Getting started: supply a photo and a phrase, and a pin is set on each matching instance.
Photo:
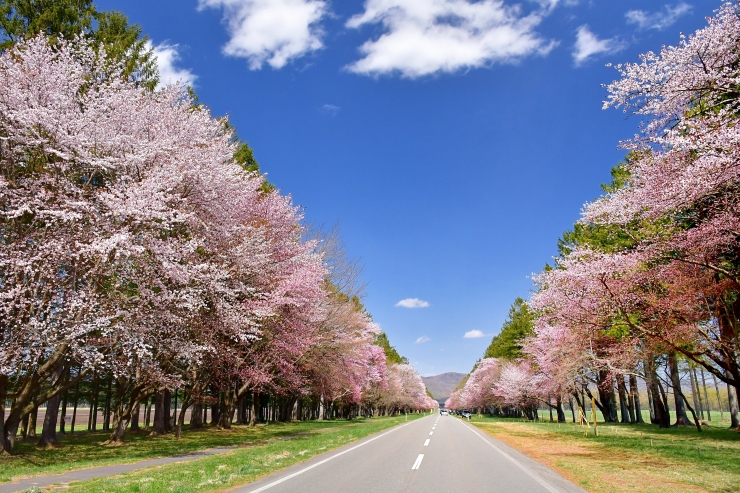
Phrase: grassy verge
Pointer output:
(84, 450)
(628, 458)
(241, 466)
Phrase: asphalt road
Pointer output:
(435, 453)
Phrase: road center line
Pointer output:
(516, 462)
(417, 463)
(426, 442)
(431, 433)
(275, 483)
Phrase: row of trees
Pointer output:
(650, 276)
(143, 254)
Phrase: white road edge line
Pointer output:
(291, 476)
(417, 463)
(426, 442)
(516, 462)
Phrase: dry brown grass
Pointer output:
(621, 460)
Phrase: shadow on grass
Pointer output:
(83, 450)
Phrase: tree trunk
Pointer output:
(255, 406)
(11, 430)
(33, 422)
(94, 398)
(561, 413)
(125, 408)
(637, 407)
(241, 410)
(732, 402)
(181, 417)
(28, 396)
(695, 393)
(49, 430)
(24, 426)
(215, 412)
(226, 409)
(682, 418)
(660, 410)
(3, 397)
(623, 407)
(119, 429)
(174, 413)
(135, 417)
(74, 410)
(107, 406)
(653, 418)
(699, 397)
(706, 397)
(63, 419)
(148, 411)
(719, 399)
(607, 397)
(167, 410)
(572, 410)
(693, 414)
(159, 414)
(196, 416)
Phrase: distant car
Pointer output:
(444, 413)
(466, 414)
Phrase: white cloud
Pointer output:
(474, 334)
(413, 303)
(588, 45)
(331, 109)
(167, 55)
(271, 31)
(660, 19)
(422, 340)
(424, 37)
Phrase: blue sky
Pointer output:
(452, 140)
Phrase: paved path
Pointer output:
(436, 453)
(97, 472)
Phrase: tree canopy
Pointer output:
(517, 327)
(124, 43)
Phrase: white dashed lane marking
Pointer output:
(417, 463)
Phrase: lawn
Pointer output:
(243, 465)
(628, 458)
(83, 450)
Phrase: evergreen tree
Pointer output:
(65, 19)
(517, 327)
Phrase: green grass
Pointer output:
(626, 457)
(717, 420)
(83, 450)
(243, 465)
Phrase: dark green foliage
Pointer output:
(124, 42)
(517, 327)
(391, 355)
(602, 238)
(244, 157)
(66, 19)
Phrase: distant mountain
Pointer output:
(441, 386)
